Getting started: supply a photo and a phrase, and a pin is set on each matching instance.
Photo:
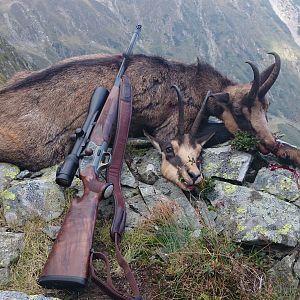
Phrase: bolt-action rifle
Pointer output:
(70, 261)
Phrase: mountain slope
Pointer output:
(289, 13)
(10, 61)
(224, 33)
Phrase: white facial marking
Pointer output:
(188, 154)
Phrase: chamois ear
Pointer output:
(222, 98)
(152, 140)
(205, 138)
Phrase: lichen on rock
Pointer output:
(8, 172)
(29, 199)
(223, 162)
(255, 217)
(280, 183)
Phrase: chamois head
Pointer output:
(180, 155)
(245, 105)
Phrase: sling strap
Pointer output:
(113, 176)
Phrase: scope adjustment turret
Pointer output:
(78, 133)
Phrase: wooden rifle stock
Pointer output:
(67, 266)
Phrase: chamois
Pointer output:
(40, 110)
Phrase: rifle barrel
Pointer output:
(128, 52)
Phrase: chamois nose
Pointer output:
(194, 176)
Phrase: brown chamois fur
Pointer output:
(39, 111)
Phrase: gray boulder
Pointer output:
(146, 167)
(24, 174)
(280, 183)
(297, 268)
(11, 245)
(51, 231)
(223, 162)
(282, 272)
(12, 295)
(37, 198)
(136, 211)
(255, 217)
(127, 179)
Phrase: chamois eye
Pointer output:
(169, 150)
(199, 161)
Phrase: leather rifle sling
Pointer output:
(113, 176)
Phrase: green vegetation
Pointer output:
(206, 186)
(26, 270)
(244, 141)
(170, 262)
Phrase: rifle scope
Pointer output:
(66, 172)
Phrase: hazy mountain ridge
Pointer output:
(223, 33)
(289, 13)
(10, 61)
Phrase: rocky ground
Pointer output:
(247, 201)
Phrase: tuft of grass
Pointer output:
(163, 232)
(244, 141)
(216, 267)
(209, 267)
(25, 272)
(206, 186)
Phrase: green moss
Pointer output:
(209, 166)
(11, 172)
(244, 141)
(7, 195)
(226, 176)
(240, 227)
(286, 183)
(49, 174)
(285, 229)
(230, 188)
(260, 229)
(241, 210)
(249, 236)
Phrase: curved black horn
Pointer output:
(255, 83)
(272, 78)
(199, 116)
(180, 110)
